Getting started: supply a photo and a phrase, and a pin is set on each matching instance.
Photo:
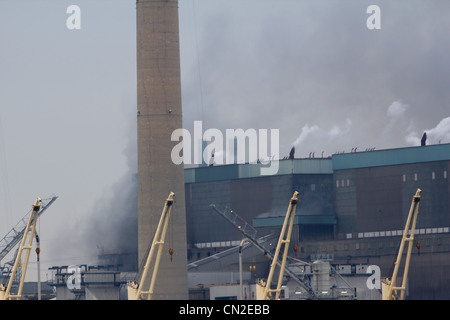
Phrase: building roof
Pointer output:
(375, 158)
(241, 171)
(389, 157)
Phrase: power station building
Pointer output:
(353, 208)
(351, 214)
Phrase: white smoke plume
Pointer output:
(306, 132)
(396, 110)
(397, 129)
(439, 134)
(397, 124)
(317, 136)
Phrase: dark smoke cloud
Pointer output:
(110, 227)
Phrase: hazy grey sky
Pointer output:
(311, 69)
(68, 112)
(315, 71)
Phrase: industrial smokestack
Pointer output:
(423, 142)
(292, 153)
(159, 114)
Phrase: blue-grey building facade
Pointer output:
(352, 209)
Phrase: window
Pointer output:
(445, 174)
(404, 178)
(416, 177)
(433, 175)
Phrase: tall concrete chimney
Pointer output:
(159, 114)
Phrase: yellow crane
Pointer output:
(25, 244)
(135, 288)
(285, 238)
(390, 291)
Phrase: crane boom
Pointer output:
(16, 233)
(25, 244)
(285, 238)
(135, 288)
(389, 288)
(250, 234)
